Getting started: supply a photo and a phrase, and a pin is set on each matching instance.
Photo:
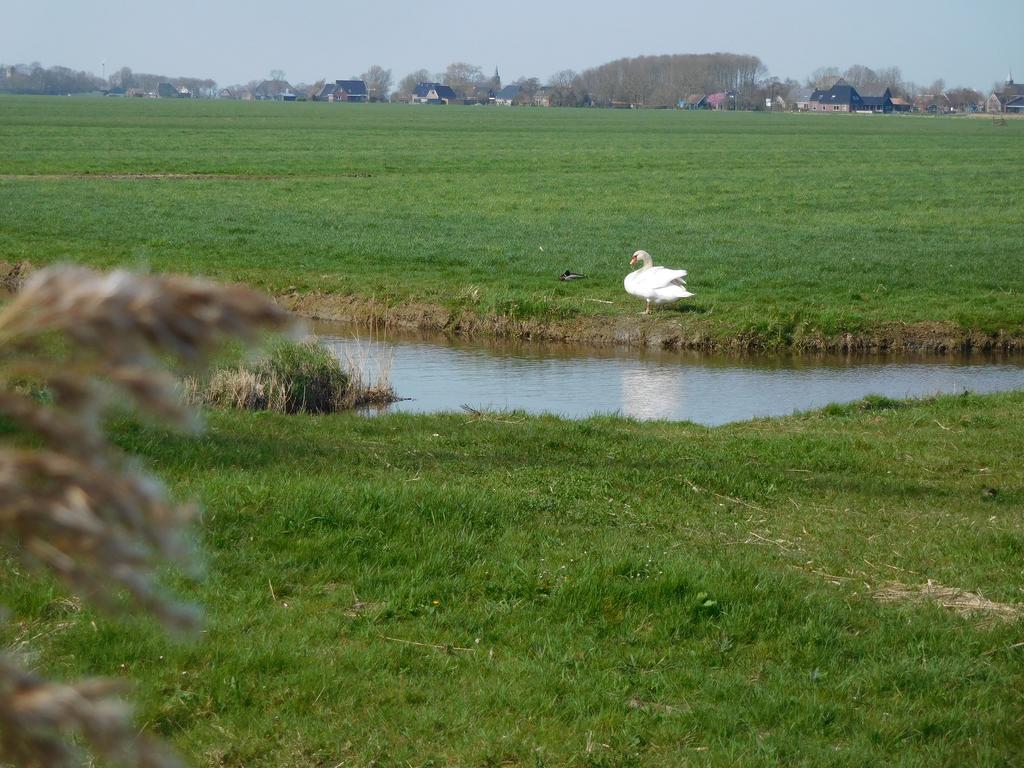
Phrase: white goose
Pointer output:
(655, 284)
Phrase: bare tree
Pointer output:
(463, 77)
(528, 87)
(663, 80)
(277, 74)
(378, 82)
(123, 77)
(566, 90)
(408, 83)
(964, 99)
(823, 78)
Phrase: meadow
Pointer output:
(791, 225)
(842, 587)
(503, 590)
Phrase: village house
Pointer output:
(802, 99)
(694, 101)
(273, 90)
(1010, 99)
(843, 97)
(507, 95)
(482, 94)
(343, 90)
(434, 93)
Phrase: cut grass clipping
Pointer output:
(293, 377)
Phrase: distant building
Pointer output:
(167, 91)
(485, 94)
(695, 101)
(344, 90)
(273, 90)
(434, 93)
(801, 98)
(843, 97)
(507, 95)
(881, 103)
(1007, 100)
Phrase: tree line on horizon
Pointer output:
(641, 81)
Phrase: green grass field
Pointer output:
(789, 224)
(503, 590)
(441, 590)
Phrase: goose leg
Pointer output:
(648, 310)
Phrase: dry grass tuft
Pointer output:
(969, 605)
(13, 275)
(72, 343)
(300, 377)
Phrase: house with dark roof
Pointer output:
(841, 97)
(273, 90)
(1007, 100)
(507, 95)
(484, 94)
(343, 90)
(167, 91)
(882, 103)
(695, 101)
(434, 93)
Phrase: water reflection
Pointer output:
(441, 374)
(653, 392)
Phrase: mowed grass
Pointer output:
(788, 224)
(456, 590)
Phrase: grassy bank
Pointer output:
(503, 590)
(793, 227)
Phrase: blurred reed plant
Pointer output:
(74, 343)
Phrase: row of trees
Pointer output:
(61, 81)
(663, 80)
(125, 78)
(52, 81)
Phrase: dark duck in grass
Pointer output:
(570, 275)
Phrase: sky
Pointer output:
(965, 42)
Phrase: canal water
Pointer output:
(444, 374)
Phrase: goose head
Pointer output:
(643, 256)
